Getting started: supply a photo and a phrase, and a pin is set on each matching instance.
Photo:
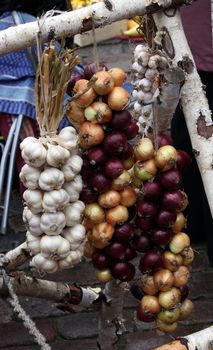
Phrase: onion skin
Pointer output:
(141, 243)
(165, 219)
(166, 157)
(128, 196)
(103, 231)
(104, 83)
(186, 309)
(145, 224)
(117, 215)
(124, 271)
(171, 180)
(120, 120)
(164, 280)
(145, 170)
(148, 284)
(109, 199)
(144, 150)
(113, 168)
(184, 161)
(128, 163)
(118, 99)
(91, 68)
(114, 143)
(123, 180)
(94, 213)
(172, 261)
(144, 316)
(169, 316)
(164, 140)
(180, 223)
(137, 290)
(165, 327)
(75, 114)
(88, 250)
(90, 135)
(161, 237)
(100, 182)
(118, 75)
(150, 262)
(131, 131)
(170, 298)
(103, 276)
(152, 191)
(96, 155)
(175, 200)
(75, 76)
(88, 195)
(179, 242)
(88, 97)
(115, 250)
(181, 276)
(150, 304)
(146, 209)
(98, 112)
(123, 233)
(100, 261)
(187, 255)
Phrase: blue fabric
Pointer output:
(17, 76)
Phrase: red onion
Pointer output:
(132, 212)
(86, 170)
(100, 182)
(171, 179)
(88, 195)
(122, 270)
(130, 253)
(175, 200)
(91, 68)
(124, 233)
(184, 290)
(151, 262)
(120, 120)
(96, 155)
(141, 243)
(115, 250)
(114, 143)
(152, 190)
(131, 130)
(147, 209)
(144, 316)
(100, 261)
(137, 290)
(145, 224)
(161, 237)
(183, 161)
(113, 168)
(164, 140)
(127, 152)
(165, 218)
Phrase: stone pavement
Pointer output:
(65, 331)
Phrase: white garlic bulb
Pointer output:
(55, 200)
(26, 141)
(34, 153)
(72, 214)
(73, 258)
(75, 234)
(53, 223)
(77, 183)
(32, 222)
(33, 199)
(72, 167)
(30, 176)
(79, 205)
(33, 243)
(51, 179)
(55, 247)
(44, 265)
(57, 155)
(68, 138)
(69, 188)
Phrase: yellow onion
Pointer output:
(187, 255)
(181, 276)
(109, 199)
(103, 231)
(104, 83)
(88, 97)
(187, 307)
(148, 284)
(166, 327)
(88, 250)
(128, 196)
(98, 112)
(103, 276)
(163, 280)
(90, 135)
(171, 261)
(150, 304)
(128, 163)
(169, 316)
(121, 181)
(117, 215)
(75, 114)
(180, 223)
(166, 157)
(118, 75)
(170, 299)
(145, 170)
(94, 213)
(144, 150)
(179, 242)
(118, 98)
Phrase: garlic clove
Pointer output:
(55, 247)
(34, 153)
(53, 223)
(33, 243)
(75, 234)
(30, 176)
(72, 167)
(68, 138)
(73, 258)
(51, 179)
(44, 265)
(32, 222)
(73, 194)
(73, 215)
(57, 155)
(33, 199)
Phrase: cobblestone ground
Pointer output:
(65, 331)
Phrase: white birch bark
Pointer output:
(74, 22)
(193, 100)
(201, 340)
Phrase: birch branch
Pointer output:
(201, 340)
(17, 257)
(193, 99)
(78, 21)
